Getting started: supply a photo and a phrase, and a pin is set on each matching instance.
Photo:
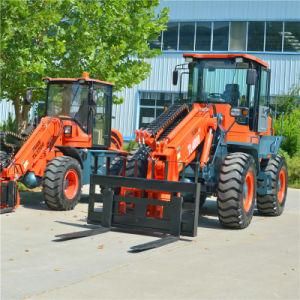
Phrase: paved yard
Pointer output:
(260, 262)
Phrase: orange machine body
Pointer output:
(178, 149)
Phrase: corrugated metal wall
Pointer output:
(232, 10)
(6, 108)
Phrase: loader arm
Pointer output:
(32, 156)
(35, 149)
(178, 145)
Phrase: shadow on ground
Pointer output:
(208, 216)
(35, 200)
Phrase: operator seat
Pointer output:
(231, 94)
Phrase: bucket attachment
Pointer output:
(179, 217)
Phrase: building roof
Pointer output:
(226, 55)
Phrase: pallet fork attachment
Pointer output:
(179, 217)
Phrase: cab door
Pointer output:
(102, 115)
(264, 97)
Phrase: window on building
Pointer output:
(257, 36)
(292, 36)
(156, 43)
(220, 36)
(147, 115)
(203, 36)
(274, 36)
(237, 41)
(170, 38)
(186, 36)
(256, 32)
(153, 104)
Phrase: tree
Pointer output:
(289, 126)
(285, 104)
(287, 120)
(62, 38)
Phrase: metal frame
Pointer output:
(179, 218)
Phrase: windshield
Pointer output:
(219, 81)
(71, 99)
(66, 99)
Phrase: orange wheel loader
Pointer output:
(58, 152)
(219, 142)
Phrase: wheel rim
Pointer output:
(248, 191)
(281, 186)
(71, 183)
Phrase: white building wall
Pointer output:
(6, 108)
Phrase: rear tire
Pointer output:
(117, 166)
(273, 204)
(62, 183)
(236, 190)
(137, 163)
(4, 160)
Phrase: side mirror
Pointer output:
(175, 77)
(251, 76)
(28, 97)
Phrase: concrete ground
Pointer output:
(260, 262)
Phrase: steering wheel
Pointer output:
(216, 96)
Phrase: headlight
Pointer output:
(68, 130)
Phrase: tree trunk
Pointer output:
(21, 113)
(17, 113)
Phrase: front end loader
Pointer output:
(58, 152)
(220, 142)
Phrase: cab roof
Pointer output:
(227, 56)
(85, 76)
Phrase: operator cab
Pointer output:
(84, 100)
(240, 80)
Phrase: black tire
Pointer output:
(191, 198)
(54, 183)
(137, 163)
(273, 204)
(237, 177)
(116, 165)
(4, 160)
